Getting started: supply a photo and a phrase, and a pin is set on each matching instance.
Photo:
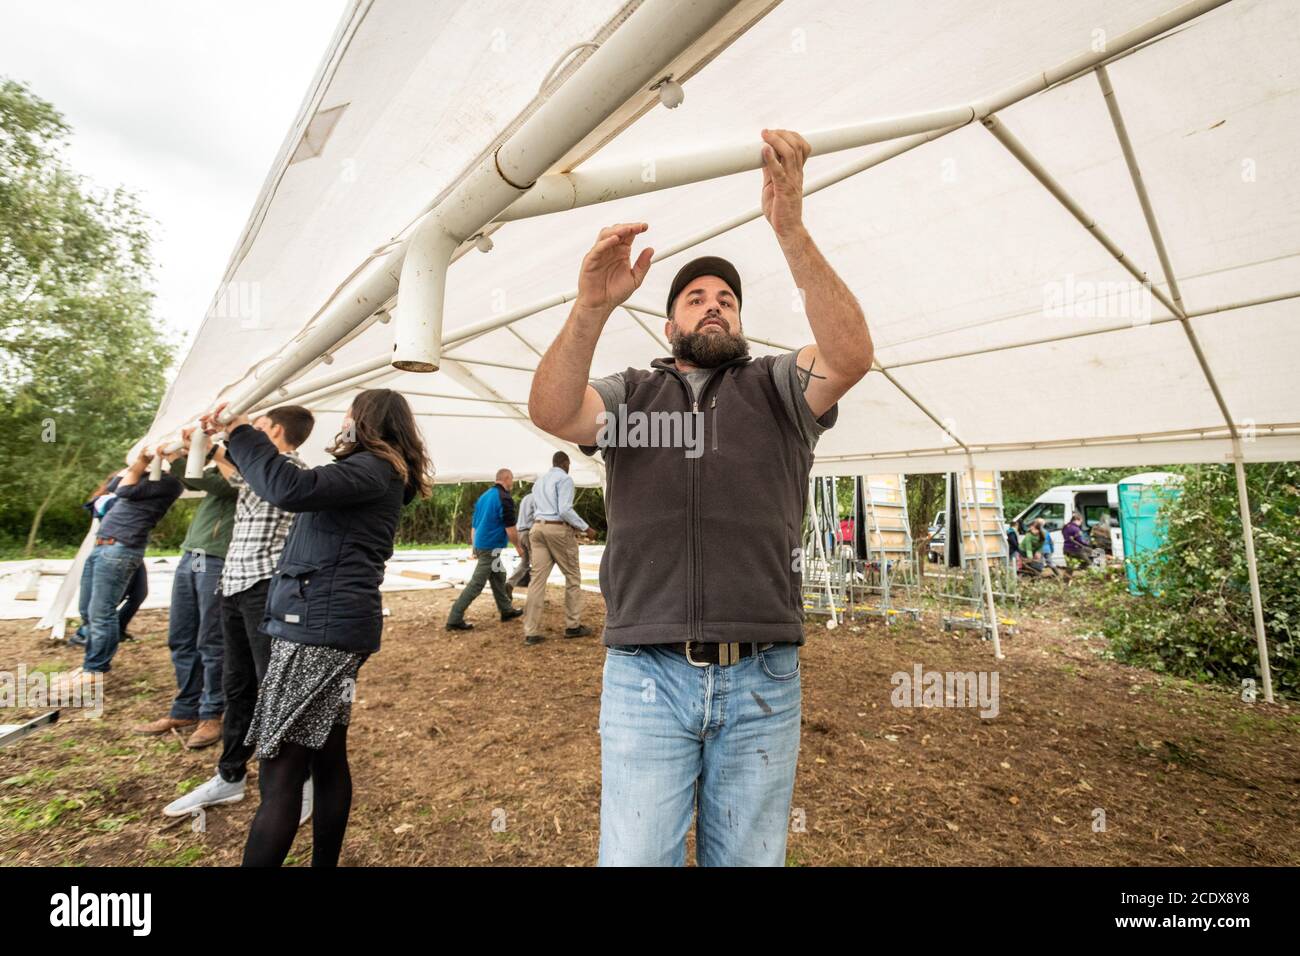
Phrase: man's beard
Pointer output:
(707, 349)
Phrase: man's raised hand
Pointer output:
(608, 275)
(784, 153)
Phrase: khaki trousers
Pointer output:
(552, 544)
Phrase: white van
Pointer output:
(1055, 505)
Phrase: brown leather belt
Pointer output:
(99, 540)
(548, 521)
(724, 655)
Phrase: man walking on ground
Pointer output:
(524, 523)
(256, 543)
(194, 617)
(494, 526)
(554, 541)
(710, 621)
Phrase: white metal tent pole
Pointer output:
(1248, 535)
(1243, 499)
(584, 187)
(1070, 336)
(625, 66)
(467, 379)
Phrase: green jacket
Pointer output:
(1031, 544)
(215, 520)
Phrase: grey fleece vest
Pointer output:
(706, 548)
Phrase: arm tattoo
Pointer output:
(806, 375)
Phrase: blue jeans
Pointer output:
(136, 592)
(195, 638)
(104, 579)
(676, 738)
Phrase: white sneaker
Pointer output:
(306, 802)
(210, 794)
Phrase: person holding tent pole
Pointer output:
(323, 610)
(194, 616)
(98, 505)
(118, 553)
(701, 696)
(256, 543)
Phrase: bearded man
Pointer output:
(701, 573)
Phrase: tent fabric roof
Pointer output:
(989, 304)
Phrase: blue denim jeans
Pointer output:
(676, 739)
(104, 579)
(195, 638)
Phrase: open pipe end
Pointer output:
(411, 365)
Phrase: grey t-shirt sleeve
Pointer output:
(612, 390)
(785, 375)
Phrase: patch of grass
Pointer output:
(187, 857)
(19, 814)
(186, 785)
(113, 824)
(31, 776)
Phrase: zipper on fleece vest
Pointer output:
(694, 544)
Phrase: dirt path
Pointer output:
(452, 733)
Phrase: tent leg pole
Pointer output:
(984, 564)
(1248, 535)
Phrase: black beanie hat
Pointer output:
(704, 266)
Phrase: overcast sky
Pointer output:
(183, 103)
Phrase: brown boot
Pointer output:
(163, 725)
(207, 734)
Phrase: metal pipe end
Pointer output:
(412, 365)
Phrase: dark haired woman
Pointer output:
(323, 612)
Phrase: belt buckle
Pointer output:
(692, 660)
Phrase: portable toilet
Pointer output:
(1141, 499)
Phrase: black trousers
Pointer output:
(248, 649)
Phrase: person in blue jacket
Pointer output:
(323, 610)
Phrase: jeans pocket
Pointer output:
(626, 650)
(780, 662)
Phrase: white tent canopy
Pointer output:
(958, 254)
(999, 258)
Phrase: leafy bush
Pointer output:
(1198, 621)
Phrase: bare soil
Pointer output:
(469, 748)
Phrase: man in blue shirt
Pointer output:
(553, 541)
(494, 526)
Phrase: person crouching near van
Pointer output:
(323, 611)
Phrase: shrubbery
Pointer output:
(1198, 621)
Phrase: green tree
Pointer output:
(82, 361)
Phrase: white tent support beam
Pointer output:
(1162, 253)
(624, 67)
(1058, 192)
(648, 331)
(1256, 604)
(1210, 433)
(1069, 336)
(559, 192)
(462, 376)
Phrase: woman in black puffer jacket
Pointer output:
(323, 611)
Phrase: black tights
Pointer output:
(280, 781)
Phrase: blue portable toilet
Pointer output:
(1141, 500)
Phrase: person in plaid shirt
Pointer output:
(255, 545)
